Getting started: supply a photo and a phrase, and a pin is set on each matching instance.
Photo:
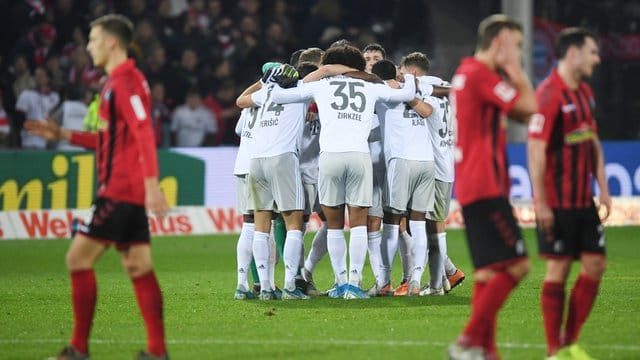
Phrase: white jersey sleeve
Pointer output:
(247, 121)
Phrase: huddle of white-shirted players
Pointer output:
(336, 140)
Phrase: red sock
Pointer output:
(485, 309)
(582, 298)
(149, 299)
(83, 301)
(552, 302)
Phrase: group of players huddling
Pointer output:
(345, 127)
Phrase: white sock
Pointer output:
(337, 247)
(405, 245)
(357, 254)
(419, 248)
(261, 256)
(273, 258)
(388, 249)
(291, 251)
(244, 252)
(436, 263)
(375, 256)
(318, 248)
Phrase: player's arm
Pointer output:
(441, 91)
(536, 156)
(601, 179)
(138, 121)
(326, 71)
(244, 100)
(300, 93)
(526, 104)
(422, 108)
(406, 93)
(51, 131)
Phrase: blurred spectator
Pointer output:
(199, 15)
(144, 41)
(160, 115)
(156, 68)
(37, 44)
(193, 124)
(135, 10)
(55, 71)
(5, 128)
(275, 45)
(71, 112)
(183, 77)
(67, 18)
(22, 78)
(35, 104)
(223, 105)
(82, 72)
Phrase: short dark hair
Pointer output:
(340, 42)
(491, 26)
(344, 55)
(117, 25)
(375, 47)
(305, 68)
(569, 37)
(385, 69)
(418, 60)
(295, 57)
(313, 55)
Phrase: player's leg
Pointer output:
(244, 248)
(405, 247)
(500, 259)
(419, 251)
(374, 237)
(80, 258)
(591, 240)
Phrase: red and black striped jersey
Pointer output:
(568, 127)
(124, 143)
(480, 100)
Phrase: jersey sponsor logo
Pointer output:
(568, 108)
(579, 135)
(504, 91)
(138, 108)
(536, 123)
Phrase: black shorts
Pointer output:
(118, 222)
(493, 234)
(575, 231)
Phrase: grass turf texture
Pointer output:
(198, 277)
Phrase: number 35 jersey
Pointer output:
(345, 107)
(441, 133)
(277, 128)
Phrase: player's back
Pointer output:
(244, 129)
(278, 128)
(404, 132)
(441, 132)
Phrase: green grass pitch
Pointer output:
(198, 277)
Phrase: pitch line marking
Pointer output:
(284, 342)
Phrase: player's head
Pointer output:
(372, 54)
(295, 57)
(492, 27)
(385, 69)
(577, 48)
(313, 55)
(109, 33)
(340, 42)
(344, 55)
(305, 68)
(415, 63)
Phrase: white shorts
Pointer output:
(242, 195)
(409, 182)
(275, 183)
(442, 201)
(345, 178)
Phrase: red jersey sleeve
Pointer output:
(134, 107)
(549, 102)
(496, 91)
(85, 139)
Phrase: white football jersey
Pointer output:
(345, 106)
(244, 129)
(278, 129)
(441, 133)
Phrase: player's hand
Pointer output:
(154, 200)
(604, 201)
(269, 75)
(287, 76)
(544, 217)
(48, 130)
